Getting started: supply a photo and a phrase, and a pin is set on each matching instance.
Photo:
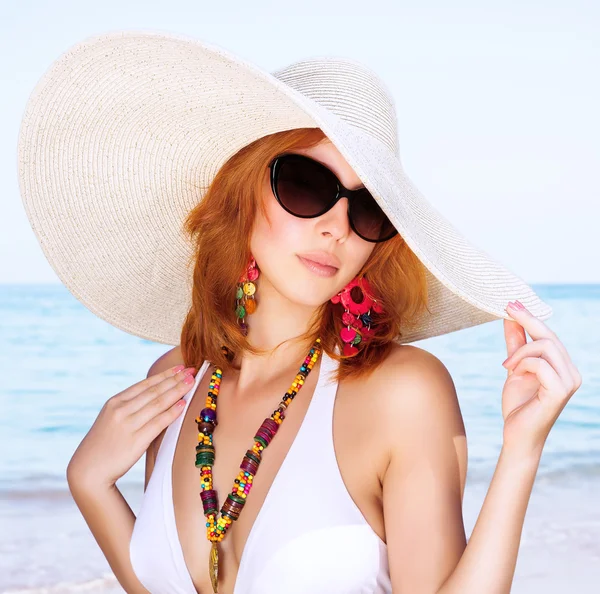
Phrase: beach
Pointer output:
(46, 546)
(75, 361)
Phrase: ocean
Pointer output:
(59, 363)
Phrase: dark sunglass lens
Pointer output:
(305, 187)
(370, 221)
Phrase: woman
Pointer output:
(304, 295)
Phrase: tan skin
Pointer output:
(362, 464)
(411, 397)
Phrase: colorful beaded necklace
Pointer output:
(216, 529)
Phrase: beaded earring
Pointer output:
(357, 315)
(245, 301)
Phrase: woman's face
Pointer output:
(278, 247)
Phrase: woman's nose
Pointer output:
(335, 221)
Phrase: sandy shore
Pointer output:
(46, 546)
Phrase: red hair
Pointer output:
(227, 210)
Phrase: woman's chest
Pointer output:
(341, 453)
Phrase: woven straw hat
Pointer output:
(124, 127)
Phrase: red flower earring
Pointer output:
(357, 315)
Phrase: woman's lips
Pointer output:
(318, 269)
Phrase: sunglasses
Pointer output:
(307, 189)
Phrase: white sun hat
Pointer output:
(124, 127)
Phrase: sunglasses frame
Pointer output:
(342, 192)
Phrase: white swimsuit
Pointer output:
(322, 543)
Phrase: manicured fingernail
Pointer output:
(177, 368)
(188, 379)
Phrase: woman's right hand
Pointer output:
(127, 425)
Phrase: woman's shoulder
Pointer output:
(411, 375)
(414, 394)
(169, 359)
(406, 362)
(407, 383)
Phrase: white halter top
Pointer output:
(322, 548)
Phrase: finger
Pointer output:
(544, 372)
(157, 406)
(514, 336)
(151, 380)
(159, 402)
(158, 422)
(157, 390)
(535, 327)
(548, 350)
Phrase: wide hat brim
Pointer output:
(124, 131)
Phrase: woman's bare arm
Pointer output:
(541, 380)
(420, 419)
(105, 510)
(424, 483)
(110, 519)
(489, 560)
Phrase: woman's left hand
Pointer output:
(541, 380)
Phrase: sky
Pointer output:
(497, 105)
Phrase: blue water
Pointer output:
(59, 363)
